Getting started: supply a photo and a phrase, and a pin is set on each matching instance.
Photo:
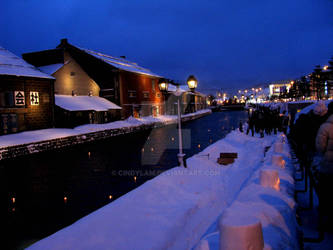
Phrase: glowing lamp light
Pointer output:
(192, 82)
(163, 85)
(13, 200)
(134, 178)
(325, 67)
(65, 199)
(270, 178)
(110, 197)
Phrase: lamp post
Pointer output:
(180, 155)
(163, 85)
(192, 83)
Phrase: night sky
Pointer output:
(225, 44)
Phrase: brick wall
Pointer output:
(30, 117)
(147, 94)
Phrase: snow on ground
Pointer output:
(177, 208)
(54, 133)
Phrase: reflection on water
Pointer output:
(42, 193)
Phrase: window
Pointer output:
(34, 98)
(72, 73)
(132, 93)
(8, 123)
(145, 94)
(158, 95)
(2, 100)
(19, 98)
(153, 82)
(7, 99)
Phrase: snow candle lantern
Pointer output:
(278, 147)
(239, 231)
(277, 160)
(270, 178)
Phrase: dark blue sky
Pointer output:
(226, 44)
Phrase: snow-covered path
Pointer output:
(171, 211)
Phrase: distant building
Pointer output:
(26, 95)
(279, 87)
(73, 85)
(190, 101)
(122, 82)
(72, 111)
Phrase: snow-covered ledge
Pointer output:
(35, 141)
(274, 208)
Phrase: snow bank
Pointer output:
(174, 209)
(275, 209)
(54, 133)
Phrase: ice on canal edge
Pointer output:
(181, 208)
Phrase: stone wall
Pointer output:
(41, 146)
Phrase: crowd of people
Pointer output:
(312, 138)
(264, 120)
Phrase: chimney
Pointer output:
(64, 41)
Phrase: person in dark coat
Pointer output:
(324, 145)
(250, 125)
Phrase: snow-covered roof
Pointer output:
(81, 103)
(120, 63)
(50, 69)
(11, 64)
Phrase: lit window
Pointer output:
(132, 93)
(19, 98)
(145, 94)
(34, 98)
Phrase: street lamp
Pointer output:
(192, 83)
(163, 85)
(180, 155)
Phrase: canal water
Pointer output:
(45, 192)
